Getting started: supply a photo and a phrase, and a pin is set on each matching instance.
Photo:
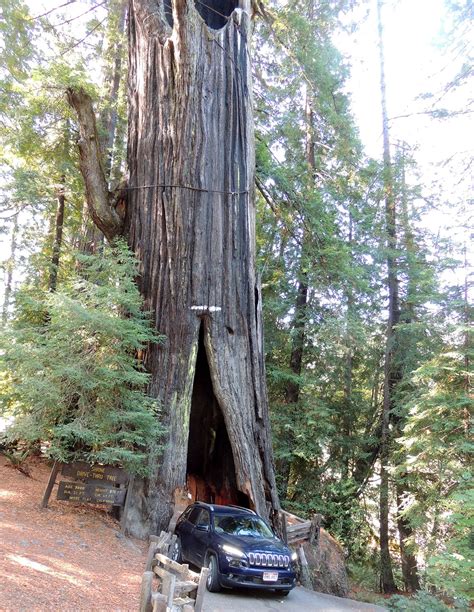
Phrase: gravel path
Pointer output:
(65, 557)
(299, 600)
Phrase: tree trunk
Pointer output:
(405, 530)
(111, 139)
(191, 221)
(347, 416)
(102, 204)
(293, 387)
(387, 581)
(58, 237)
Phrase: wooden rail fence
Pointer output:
(168, 586)
(299, 530)
(296, 532)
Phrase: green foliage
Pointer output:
(437, 442)
(422, 602)
(71, 375)
(16, 26)
(318, 224)
(364, 575)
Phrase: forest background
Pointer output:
(363, 254)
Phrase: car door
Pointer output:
(199, 538)
(186, 527)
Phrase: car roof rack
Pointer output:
(242, 508)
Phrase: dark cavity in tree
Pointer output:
(210, 462)
(216, 12)
(168, 11)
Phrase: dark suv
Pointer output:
(238, 547)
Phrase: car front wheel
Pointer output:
(212, 583)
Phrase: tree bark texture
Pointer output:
(191, 222)
(100, 201)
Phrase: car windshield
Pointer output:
(242, 526)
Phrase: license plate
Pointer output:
(270, 576)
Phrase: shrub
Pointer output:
(71, 375)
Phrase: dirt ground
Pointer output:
(65, 557)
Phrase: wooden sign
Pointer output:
(96, 484)
(79, 470)
(90, 493)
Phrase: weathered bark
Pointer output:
(467, 316)
(100, 201)
(191, 221)
(58, 236)
(387, 581)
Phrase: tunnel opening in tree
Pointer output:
(216, 13)
(210, 461)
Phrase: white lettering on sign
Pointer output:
(207, 308)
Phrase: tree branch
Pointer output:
(100, 201)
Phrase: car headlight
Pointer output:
(294, 556)
(234, 552)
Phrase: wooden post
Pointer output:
(201, 590)
(150, 555)
(49, 487)
(305, 574)
(155, 538)
(283, 521)
(159, 602)
(145, 593)
(167, 588)
(315, 529)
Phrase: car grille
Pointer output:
(268, 560)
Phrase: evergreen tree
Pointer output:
(71, 375)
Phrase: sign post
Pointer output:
(90, 484)
(50, 485)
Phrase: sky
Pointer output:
(416, 62)
(411, 28)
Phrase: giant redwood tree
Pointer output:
(188, 213)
